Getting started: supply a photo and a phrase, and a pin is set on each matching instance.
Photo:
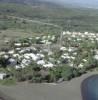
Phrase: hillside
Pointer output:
(31, 2)
(68, 18)
(19, 1)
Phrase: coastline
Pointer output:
(69, 90)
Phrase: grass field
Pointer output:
(71, 19)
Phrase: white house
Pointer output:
(49, 65)
(41, 62)
(81, 66)
(32, 56)
(18, 44)
(12, 61)
(2, 75)
(2, 53)
(6, 56)
(96, 57)
(11, 52)
(63, 48)
(17, 67)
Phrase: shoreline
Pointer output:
(45, 91)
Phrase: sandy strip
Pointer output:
(63, 91)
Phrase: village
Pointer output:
(50, 58)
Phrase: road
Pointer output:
(36, 21)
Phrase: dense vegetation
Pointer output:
(41, 59)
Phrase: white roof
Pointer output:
(2, 76)
(6, 56)
(81, 66)
(41, 62)
(40, 55)
(17, 66)
(26, 62)
(63, 32)
(11, 52)
(18, 44)
(49, 65)
(63, 48)
(50, 53)
(32, 56)
(53, 38)
(2, 53)
(18, 49)
(12, 60)
(15, 55)
(96, 57)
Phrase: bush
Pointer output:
(67, 74)
(64, 72)
(36, 68)
(29, 77)
(8, 82)
(22, 79)
(82, 71)
(76, 73)
(37, 79)
(4, 27)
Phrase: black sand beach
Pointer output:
(63, 91)
(4, 96)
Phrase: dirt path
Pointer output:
(36, 21)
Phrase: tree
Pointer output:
(67, 73)
(3, 62)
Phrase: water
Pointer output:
(89, 88)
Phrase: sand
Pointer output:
(63, 91)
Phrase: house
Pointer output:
(2, 53)
(5, 56)
(17, 49)
(17, 44)
(33, 56)
(17, 67)
(40, 55)
(2, 76)
(15, 55)
(12, 61)
(49, 65)
(81, 65)
(63, 48)
(41, 62)
(50, 53)
(11, 52)
(96, 57)
(26, 62)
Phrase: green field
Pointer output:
(71, 19)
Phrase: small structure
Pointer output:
(2, 76)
